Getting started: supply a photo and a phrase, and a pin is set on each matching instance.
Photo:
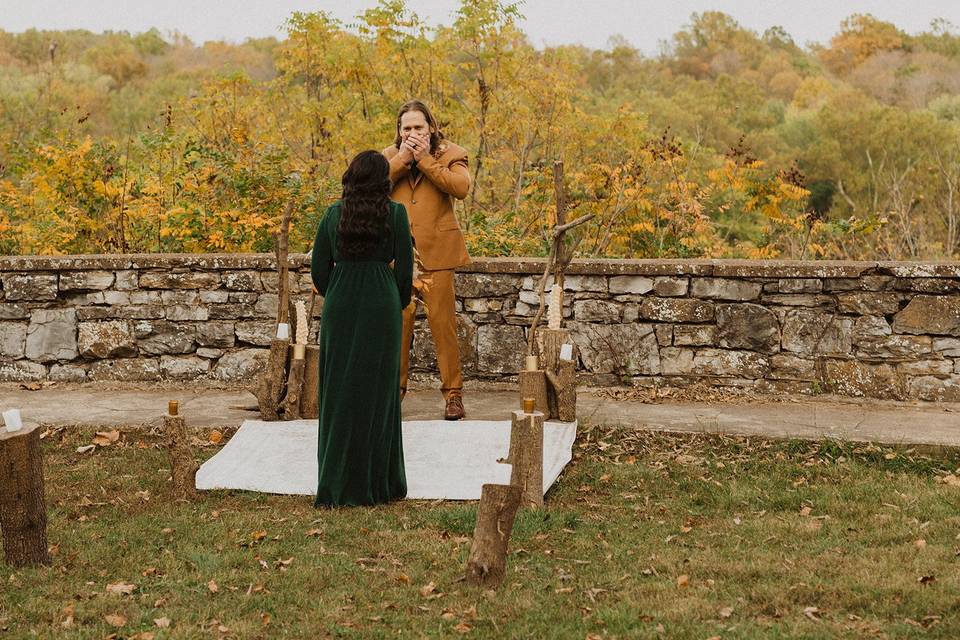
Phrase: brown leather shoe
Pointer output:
(454, 410)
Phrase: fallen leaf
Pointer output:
(805, 511)
(683, 581)
(427, 589)
(926, 579)
(920, 544)
(448, 614)
(121, 588)
(68, 612)
(812, 612)
(212, 586)
(463, 627)
(31, 386)
(314, 532)
(106, 438)
(85, 448)
(115, 619)
(265, 618)
(726, 612)
(283, 564)
(162, 623)
(403, 578)
(215, 437)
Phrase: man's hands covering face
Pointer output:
(414, 147)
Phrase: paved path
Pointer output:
(797, 417)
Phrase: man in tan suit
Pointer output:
(428, 172)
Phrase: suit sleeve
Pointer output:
(398, 168)
(321, 259)
(402, 255)
(453, 179)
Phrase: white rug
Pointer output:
(449, 460)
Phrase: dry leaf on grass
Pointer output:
(162, 623)
(212, 586)
(215, 437)
(105, 438)
(121, 588)
(115, 619)
(683, 581)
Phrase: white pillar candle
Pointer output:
(531, 363)
(11, 418)
(283, 331)
(566, 351)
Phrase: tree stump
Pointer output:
(310, 396)
(526, 456)
(563, 391)
(533, 384)
(270, 387)
(487, 562)
(23, 514)
(183, 466)
(291, 404)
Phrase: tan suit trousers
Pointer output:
(436, 291)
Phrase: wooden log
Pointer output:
(23, 513)
(183, 466)
(563, 385)
(291, 403)
(526, 456)
(272, 380)
(549, 342)
(533, 384)
(310, 396)
(487, 562)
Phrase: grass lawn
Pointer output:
(644, 536)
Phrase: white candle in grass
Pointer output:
(11, 418)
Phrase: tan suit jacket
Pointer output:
(429, 202)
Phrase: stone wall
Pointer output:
(889, 330)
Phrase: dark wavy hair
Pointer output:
(435, 134)
(364, 206)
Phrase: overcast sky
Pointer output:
(590, 22)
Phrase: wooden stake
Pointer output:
(526, 456)
(533, 384)
(23, 514)
(183, 466)
(311, 383)
(487, 562)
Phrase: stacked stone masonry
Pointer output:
(876, 329)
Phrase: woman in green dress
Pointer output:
(363, 266)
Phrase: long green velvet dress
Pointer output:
(360, 448)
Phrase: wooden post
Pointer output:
(526, 456)
(270, 386)
(291, 404)
(533, 384)
(487, 562)
(548, 345)
(563, 391)
(23, 514)
(311, 383)
(183, 466)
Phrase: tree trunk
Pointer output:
(270, 387)
(311, 383)
(487, 562)
(183, 466)
(533, 384)
(549, 342)
(526, 456)
(563, 391)
(23, 514)
(291, 404)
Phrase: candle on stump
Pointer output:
(283, 331)
(11, 418)
(531, 363)
(566, 351)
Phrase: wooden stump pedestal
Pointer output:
(23, 513)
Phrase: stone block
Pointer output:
(747, 326)
(668, 286)
(86, 280)
(243, 364)
(810, 332)
(183, 367)
(22, 371)
(256, 332)
(695, 335)
(500, 348)
(179, 280)
(52, 335)
(676, 310)
(937, 315)
(630, 284)
(871, 303)
(622, 349)
(725, 289)
(126, 369)
(111, 339)
(596, 311)
(30, 286)
(13, 339)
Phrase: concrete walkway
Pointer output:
(792, 417)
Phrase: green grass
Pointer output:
(776, 539)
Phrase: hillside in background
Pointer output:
(730, 143)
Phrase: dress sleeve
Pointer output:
(402, 254)
(321, 260)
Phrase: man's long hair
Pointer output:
(364, 207)
(435, 134)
